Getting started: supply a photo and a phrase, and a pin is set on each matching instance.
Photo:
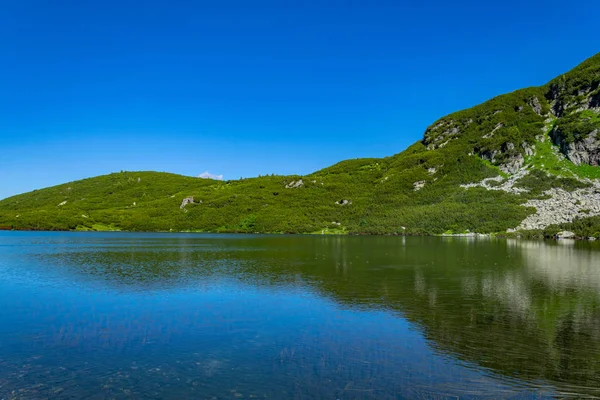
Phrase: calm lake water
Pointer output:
(177, 316)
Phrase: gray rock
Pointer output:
(186, 201)
(490, 155)
(419, 185)
(595, 101)
(565, 235)
(489, 135)
(513, 164)
(583, 151)
(560, 206)
(294, 184)
(440, 134)
(527, 148)
(507, 185)
(343, 202)
(536, 106)
(587, 98)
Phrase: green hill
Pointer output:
(524, 161)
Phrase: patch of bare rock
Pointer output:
(419, 185)
(186, 201)
(558, 205)
(294, 184)
(501, 183)
(561, 206)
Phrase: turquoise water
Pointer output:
(120, 315)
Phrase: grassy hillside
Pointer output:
(417, 191)
(381, 192)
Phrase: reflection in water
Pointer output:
(297, 316)
(562, 266)
(509, 289)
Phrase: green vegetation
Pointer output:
(415, 192)
(588, 227)
(381, 199)
(568, 90)
(496, 129)
(538, 181)
(578, 125)
(548, 158)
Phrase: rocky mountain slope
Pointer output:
(524, 161)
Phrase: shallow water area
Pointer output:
(131, 315)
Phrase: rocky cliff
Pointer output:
(575, 101)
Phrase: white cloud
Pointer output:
(208, 175)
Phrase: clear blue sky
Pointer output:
(243, 88)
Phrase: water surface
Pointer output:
(173, 316)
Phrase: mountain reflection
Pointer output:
(562, 266)
(522, 309)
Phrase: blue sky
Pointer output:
(242, 88)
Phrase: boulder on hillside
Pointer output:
(419, 185)
(186, 201)
(536, 106)
(512, 164)
(294, 184)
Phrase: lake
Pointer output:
(176, 316)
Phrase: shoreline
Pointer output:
(502, 235)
